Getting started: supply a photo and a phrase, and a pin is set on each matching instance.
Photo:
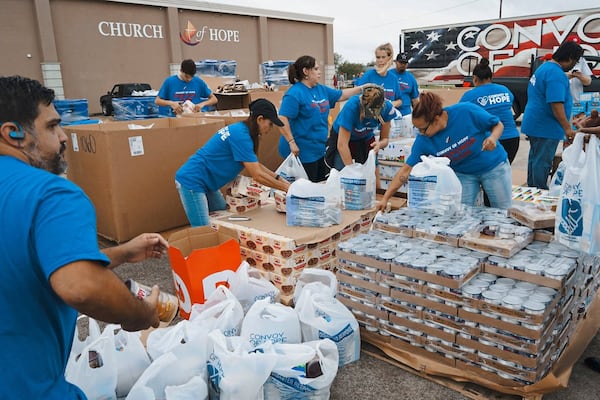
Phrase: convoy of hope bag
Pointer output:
(434, 186)
(291, 169)
(358, 184)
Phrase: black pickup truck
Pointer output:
(120, 90)
(518, 84)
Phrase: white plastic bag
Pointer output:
(248, 286)
(274, 322)
(174, 368)
(303, 371)
(95, 371)
(235, 371)
(323, 316)
(195, 389)
(434, 186)
(311, 275)
(291, 169)
(314, 204)
(130, 357)
(163, 340)
(358, 184)
(569, 212)
(221, 311)
(93, 333)
(590, 181)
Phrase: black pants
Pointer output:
(317, 171)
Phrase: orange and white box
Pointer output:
(241, 204)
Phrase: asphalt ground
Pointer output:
(372, 377)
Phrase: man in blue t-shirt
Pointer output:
(177, 89)
(409, 94)
(52, 267)
(547, 113)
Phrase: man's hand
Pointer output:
(294, 148)
(177, 108)
(146, 245)
(149, 316)
(489, 144)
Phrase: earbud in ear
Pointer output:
(17, 134)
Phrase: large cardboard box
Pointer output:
(274, 97)
(129, 174)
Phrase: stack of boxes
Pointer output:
(392, 158)
(281, 259)
(504, 313)
(588, 101)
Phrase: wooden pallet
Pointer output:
(467, 389)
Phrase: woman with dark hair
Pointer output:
(467, 135)
(222, 158)
(497, 100)
(305, 111)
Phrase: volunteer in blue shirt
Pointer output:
(409, 94)
(467, 135)
(52, 268)
(353, 133)
(382, 75)
(497, 100)
(304, 111)
(222, 158)
(177, 89)
(547, 113)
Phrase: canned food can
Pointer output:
(168, 304)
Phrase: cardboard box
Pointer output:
(228, 101)
(129, 174)
(201, 258)
(274, 97)
(533, 217)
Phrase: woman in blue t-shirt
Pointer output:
(222, 158)
(497, 100)
(305, 111)
(467, 135)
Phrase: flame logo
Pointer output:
(189, 35)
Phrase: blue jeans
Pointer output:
(497, 184)
(197, 205)
(539, 163)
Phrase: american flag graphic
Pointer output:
(443, 54)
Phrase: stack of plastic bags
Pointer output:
(226, 350)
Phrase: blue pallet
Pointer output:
(71, 110)
(128, 108)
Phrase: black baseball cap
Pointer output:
(402, 57)
(265, 108)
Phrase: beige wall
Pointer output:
(90, 62)
(18, 38)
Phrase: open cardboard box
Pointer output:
(129, 174)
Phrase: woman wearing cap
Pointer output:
(222, 158)
(305, 111)
(468, 136)
(352, 134)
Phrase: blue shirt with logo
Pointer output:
(349, 119)
(307, 110)
(461, 141)
(497, 100)
(549, 84)
(409, 90)
(388, 82)
(175, 89)
(219, 161)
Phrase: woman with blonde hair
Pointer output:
(381, 76)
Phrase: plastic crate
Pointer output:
(219, 68)
(72, 110)
(276, 72)
(128, 108)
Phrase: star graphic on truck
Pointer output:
(432, 56)
(433, 36)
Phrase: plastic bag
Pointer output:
(248, 286)
(78, 345)
(323, 316)
(221, 311)
(311, 275)
(358, 184)
(174, 368)
(235, 370)
(130, 357)
(95, 371)
(434, 186)
(291, 169)
(569, 212)
(272, 322)
(195, 389)
(314, 204)
(590, 181)
(303, 371)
